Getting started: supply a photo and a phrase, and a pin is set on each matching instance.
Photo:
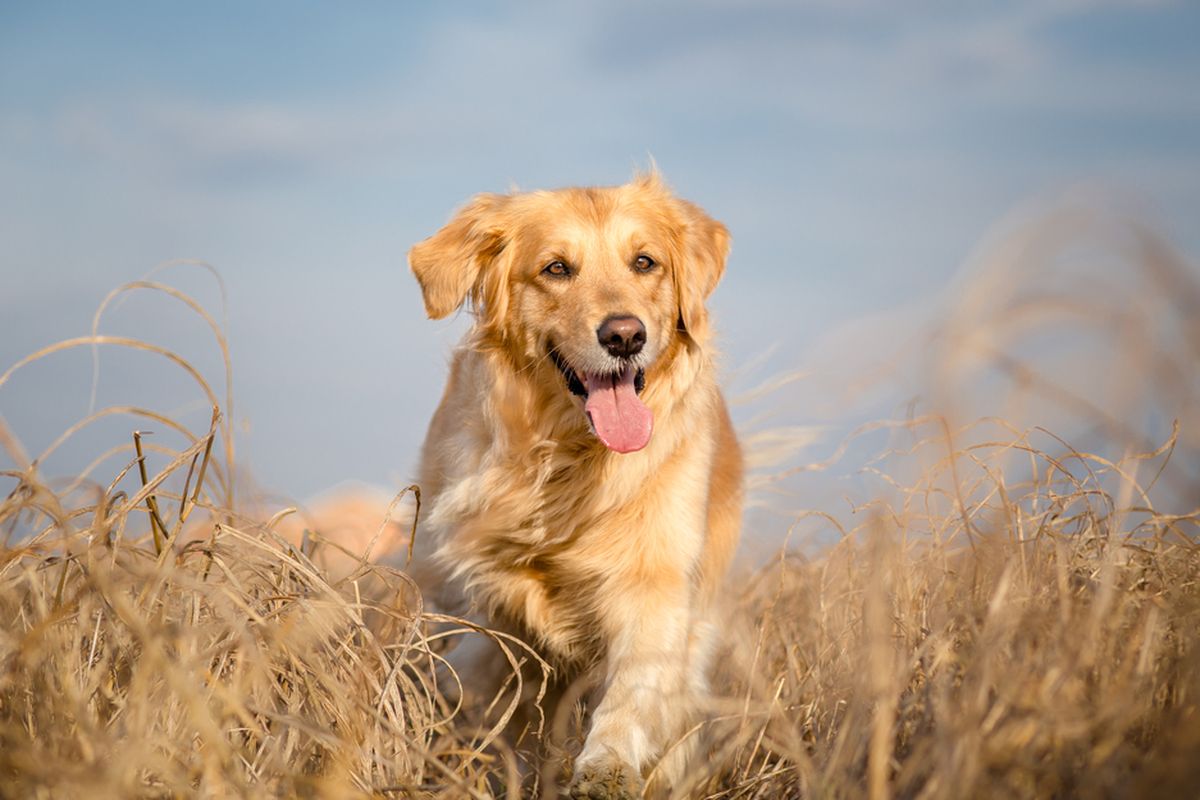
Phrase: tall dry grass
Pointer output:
(984, 638)
(1004, 614)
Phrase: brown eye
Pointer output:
(644, 263)
(558, 269)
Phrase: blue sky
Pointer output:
(857, 151)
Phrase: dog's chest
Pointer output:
(531, 553)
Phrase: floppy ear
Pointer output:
(449, 264)
(705, 247)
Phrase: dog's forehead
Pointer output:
(595, 218)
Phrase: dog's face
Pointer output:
(588, 290)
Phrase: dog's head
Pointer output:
(600, 286)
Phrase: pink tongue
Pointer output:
(619, 418)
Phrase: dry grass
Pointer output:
(1004, 616)
(986, 638)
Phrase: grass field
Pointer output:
(1007, 617)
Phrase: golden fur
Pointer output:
(604, 560)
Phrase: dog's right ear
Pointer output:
(448, 265)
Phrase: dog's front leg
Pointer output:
(645, 692)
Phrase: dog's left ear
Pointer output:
(706, 246)
(450, 265)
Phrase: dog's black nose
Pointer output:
(623, 337)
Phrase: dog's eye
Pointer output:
(644, 263)
(558, 269)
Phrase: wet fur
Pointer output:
(604, 560)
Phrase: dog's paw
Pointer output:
(607, 781)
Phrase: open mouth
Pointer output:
(617, 415)
(577, 387)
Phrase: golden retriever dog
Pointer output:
(584, 482)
